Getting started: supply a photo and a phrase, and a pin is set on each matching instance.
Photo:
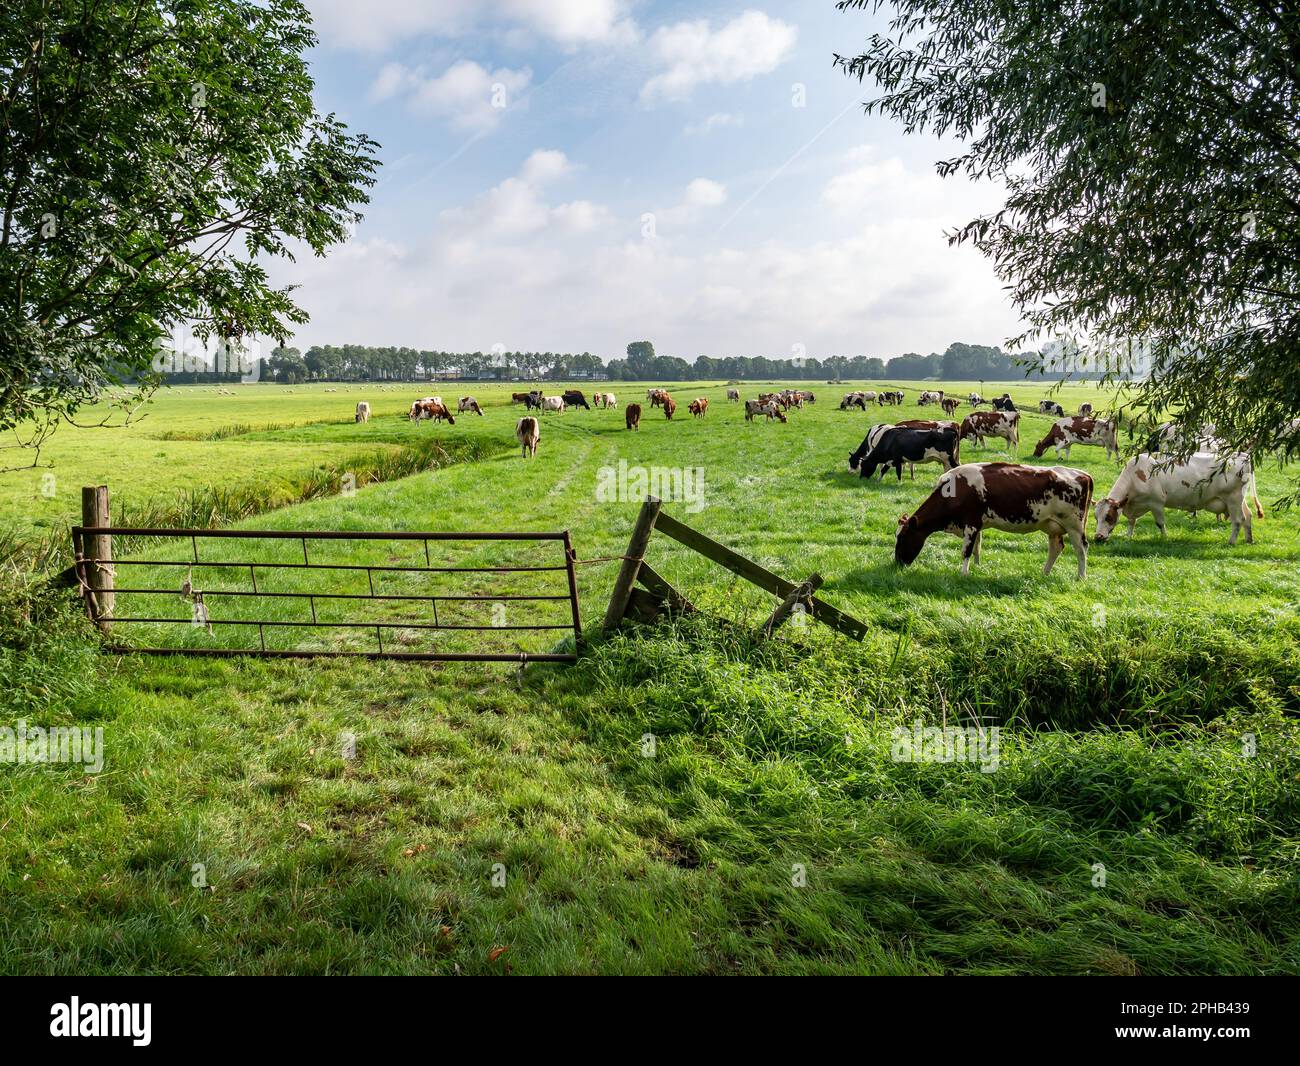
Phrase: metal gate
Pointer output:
(323, 582)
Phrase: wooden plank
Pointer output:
(661, 588)
(755, 574)
(643, 606)
(627, 573)
(800, 594)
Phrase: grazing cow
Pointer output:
(733, 395)
(761, 407)
(975, 399)
(468, 403)
(432, 409)
(981, 424)
(898, 445)
(1007, 496)
(1085, 409)
(670, 407)
(650, 395)
(528, 432)
(1075, 429)
(1051, 407)
(698, 407)
(519, 397)
(875, 432)
(633, 416)
(896, 396)
(552, 403)
(1202, 482)
(851, 399)
(807, 397)
(1168, 440)
(657, 397)
(574, 398)
(949, 406)
(1003, 403)
(611, 401)
(363, 412)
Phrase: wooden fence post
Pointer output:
(627, 573)
(98, 550)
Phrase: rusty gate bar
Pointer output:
(81, 533)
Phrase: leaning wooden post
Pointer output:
(799, 594)
(627, 573)
(98, 549)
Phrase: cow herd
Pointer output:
(970, 497)
(1020, 498)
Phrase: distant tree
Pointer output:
(1151, 155)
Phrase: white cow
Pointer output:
(553, 403)
(1203, 482)
(363, 411)
(611, 401)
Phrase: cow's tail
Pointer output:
(1087, 503)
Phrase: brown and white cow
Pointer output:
(656, 397)
(468, 403)
(363, 412)
(698, 407)
(1008, 496)
(633, 416)
(949, 405)
(1076, 429)
(670, 407)
(528, 432)
(763, 407)
(432, 409)
(1085, 409)
(1204, 481)
(980, 424)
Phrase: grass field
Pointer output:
(687, 800)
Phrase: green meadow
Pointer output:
(687, 798)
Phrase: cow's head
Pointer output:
(1108, 513)
(908, 541)
(1042, 446)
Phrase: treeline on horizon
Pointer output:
(358, 362)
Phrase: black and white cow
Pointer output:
(1007, 496)
(899, 444)
(1003, 403)
(1051, 407)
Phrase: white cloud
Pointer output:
(513, 267)
(468, 95)
(517, 208)
(718, 120)
(703, 192)
(378, 24)
(695, 54)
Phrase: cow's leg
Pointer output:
(1055, 543)
(1079, 541)
(969, 541)
(979, 542)
(898, 468)
(1158, 513)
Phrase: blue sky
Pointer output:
(569, 175)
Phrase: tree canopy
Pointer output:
(1151, 157)
(152, 154)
